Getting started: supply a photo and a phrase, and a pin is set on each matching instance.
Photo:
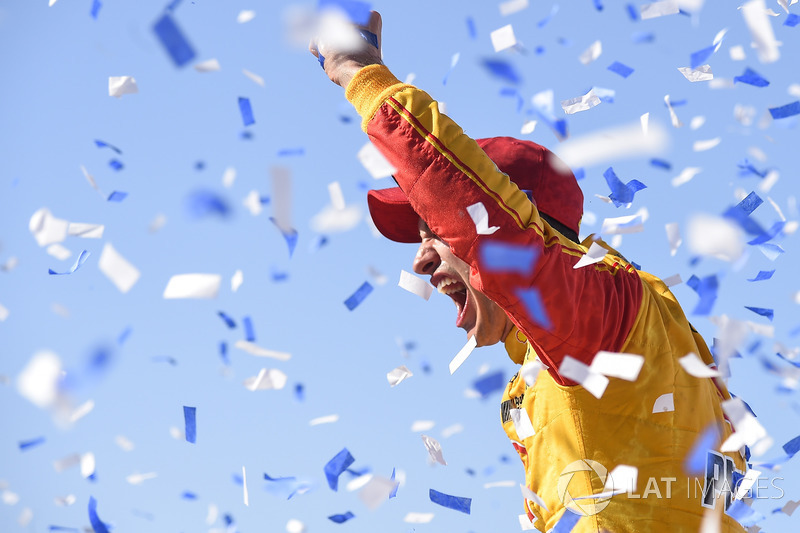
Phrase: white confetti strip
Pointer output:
(528, 494)
(694, 366)
(580, 103)
(121, 85)
(622, 479)
(86, 231)
(46, 228)
(611, 145)
(499, 484)
(591, 53)
(398, 375)
(229, 177)
(595, 254)
(377, 491)
(418, 518)
(701, 73)
(236, 280)
(138, 479)
(676, 122)
(209, 65)
(617, 365)
(672, 280)
(415, 285)
(38, 381)
(664, 403)
(327, 419)
(748, 431)
(59, 465)
(747, 483)
(422, 425)
(255, 77)
(697, 122)
(528, 127)
(625, 224)
(737, 53)
(372, 160)
(522, 423)
(462, 355)
(336, 195)
(685, 176)
(434, 449)
(118, 269)
(503, 38)
(715, 237)
(295, 526)
(674, 237)
(754, 13)
(4, 312)
(510, 7)
(580, 373)
(707, 144)
(267, 379)
(87, 464)
(65, 501)
(253, 203)
(245, 15)
(192, 286)
(254, 349)
(245, 496)
(124, 444)
(480, 217)
(59, 252)
(449, 431)
(530, 371)
(659, 9)
(82, 410)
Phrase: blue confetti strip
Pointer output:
(189, 418)
(277, 274)
(80, 261)
(660, 163)
(486, 385)
(621, 193)
(249, 330)
(762, 311)
(341, 518)
(700, 57)
(103, 144)
(792, 20)
(567, 522)
(618, 68)
(598, 5)
(633, 12)
(706, 288)
(96, 5)
(746, 168)
(498, 256)
(580, 173)
(356, 11)
(769, 234)
(695, 461)
(116, 196)
(173, 40)
(94, 520)
(337, 465)
(456, 503)
(116, 164)
(290, 235)
(642, 37)
(357, 297)
(751, 77)
(172, 6)
(281, 478)
(230, 322)
(393, 494)
(788, 110)
(188, 495)
(502, 70)
(793, 446)
(741, 214)
(124, 336)
(203, 203)
(200, 165)
(28, 444)
(246, 110)
(545, 21)
(535, 306)
(299, 392)
(472, 31)
(63, 528)
(223, 352)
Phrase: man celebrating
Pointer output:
(512, 279)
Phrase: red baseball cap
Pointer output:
(532, 167)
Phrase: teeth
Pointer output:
(448, 286)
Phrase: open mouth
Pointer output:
(457, 292)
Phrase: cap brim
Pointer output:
(393, 215)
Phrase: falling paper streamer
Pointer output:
(80, 261)
(532, 496)
(422, 425)
(415, 285)
(748, 430)
(510, 7)
(267, 379)
(246, 110)
(702, 146)
(97, 525)
(716, 237)
(595, 254)
(434, 449)
(659, 9)
(377, 491)
(253, 76)
(418, 518)
(121, 85)
(582, 374)
(685, 176)
(664, 403)
(398, 375)
(357, 297)
(209, 65)
(88, 465)
(59, 252)
(336, 466)
(138, 479)
(374, 161)
(245, 15)
(341, 518)
(676, 122)
(258, 351)
(627, 224)
(327, 419)
(193, 286)
(245, 496)
(190, 422)
(674, 237)
(173, 40)
(751, 77)
(788, 110)
(613, 144)
(295, 526)
(118, 269)
(701, 73)
(46, 228)
(456, 503)
(617, 365)
(591, 53)
(580, 103)
(86, 231)
(32, 443)
(755, 16)
(503, 38)
(462, 355)
(528, 127)
(480, 217)
(696, 367)
(4, 312)
(522, 423)
(618, 68)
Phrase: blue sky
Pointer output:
(181, 132)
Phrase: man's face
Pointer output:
(477, 314)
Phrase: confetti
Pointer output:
(97, 525)
(374, 162)
(103, 144)
(692, 364)
(582, 374)
(522, 423)
(209, 65)
(754, 13)
(267, 379)
(357, 297)
(377, 491)
(761, 311)
(246, 111)
(580, 103)
(121, 85)
(621, 193)
(415, 285)
(434, 449)
(117, 196)
(328, 419)
(618, 365)
(418, 518)
(190, 421)
(664, 403)
(751, 77)
(255, 77)
(625, 224)
(503, 38)
(80, 261)
(398, 375)
(117, 269)
(341, 518)
(489, 383)
(701, 73)
(88, 465)
(336, 466)
(674, 237)
(4, 312)
(480, 217)
(591, 53)
(462, 355)
(498, 256)
(788, 110)
(612, 144)
(715, 237)
(253, 349)
(510, 7)
(502, 70)
(702, 146)
(173, 40)
(534, 306)
(659, 9)
(748, 430)
(25, 445)
(192, 286)
(618, 68)
(676, 122)
(685, 176)
(456, 503)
